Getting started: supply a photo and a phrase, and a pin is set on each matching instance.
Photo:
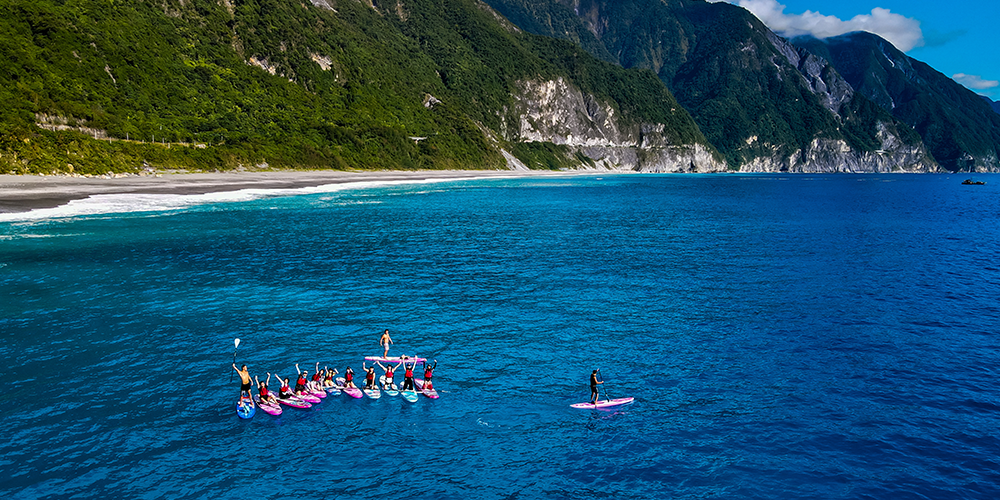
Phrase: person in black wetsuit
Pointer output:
(594, 395)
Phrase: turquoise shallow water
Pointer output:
(784, 337)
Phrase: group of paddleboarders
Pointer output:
(322, 379)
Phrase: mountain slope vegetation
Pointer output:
(959, 127)
(96, 86)
(738, 80)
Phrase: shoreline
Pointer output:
(20, 194)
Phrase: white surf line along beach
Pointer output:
(37, 197)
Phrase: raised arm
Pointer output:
(268, 378)
(380, 365)
(297, 369)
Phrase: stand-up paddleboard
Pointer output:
(333, 390)
(419, 384)
(373, 393)
(245, 408)
(315, 390)
(269, 408)
(390, 389)
(395, 359)
(409, 395)
(307, 397)
(353, 392)
(607, 403)
(294, 402)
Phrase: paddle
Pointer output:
(234, 358)
(602, 380)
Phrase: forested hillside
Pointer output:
(756, 98)
(217, 84)
(960, 128)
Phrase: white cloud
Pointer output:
(974, 82)
(901, 31)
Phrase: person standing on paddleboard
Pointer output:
(244, 380)
(389, 374)
(384, 342)
(408, 376)
(594, 395)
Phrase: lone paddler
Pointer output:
(594, 395)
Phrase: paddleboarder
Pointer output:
(369, 376)
(408, 376)
(349, 378)
(328, 378)
(428, 375)
(265, 395)
(390, 372)
(300, 383)
(385, 341)
(594, 395)
(285, 392)
(244, 380)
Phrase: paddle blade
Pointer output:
(237, 343)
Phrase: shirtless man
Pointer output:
(385, 341)
(244, 380)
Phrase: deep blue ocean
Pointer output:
(785, 337)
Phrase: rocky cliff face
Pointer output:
(557, 112)
(764, 103)
(959, 128)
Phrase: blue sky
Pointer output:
(960, 38)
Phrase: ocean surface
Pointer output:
(784, 337)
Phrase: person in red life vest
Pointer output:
(388, 383)
(286, 392)
(408, 376)
(244, 381)
(300, 383)
(369, 376)
(385, 341)
(349, 378)
(265, 396)
(429, 374)
(317, 379)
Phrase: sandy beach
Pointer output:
(22, 193)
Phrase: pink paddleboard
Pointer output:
(294, 403)
(309, 398)
(353, 392)
(271, 409)
(315, 390)
(604, 404)
(419, 384)
(395, 359)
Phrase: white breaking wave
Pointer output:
(103, 204)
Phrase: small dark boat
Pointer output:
(970, 182)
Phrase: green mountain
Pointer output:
(94, 86)
(959, 127)
(764, 104)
